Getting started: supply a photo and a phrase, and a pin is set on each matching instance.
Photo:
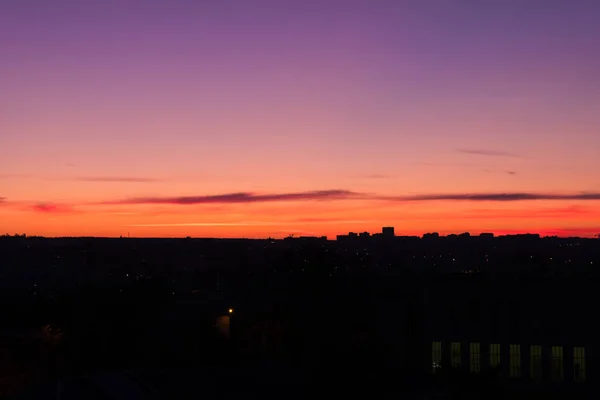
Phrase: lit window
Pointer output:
(579, 364)
(455, 355)
(436, 355)
(494, 355)
(535, 364)
(515, 361)
(557, 363)
(475, 355)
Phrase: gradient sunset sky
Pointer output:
(256, 118)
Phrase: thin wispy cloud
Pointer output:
(243, 197)
(130, 179)
(204, 224)
(490, 171)
(492, 153)
(323, 195)
(326, 195)
(50, 208)
(517, 196)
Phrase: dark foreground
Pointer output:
(400, 317)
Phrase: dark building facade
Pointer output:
(535, 333)
(387, 231)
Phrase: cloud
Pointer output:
(517, 196)
(115, 179)
(320, 195)
(2, 200)
(248, 197)
(488, 170)
(243, 197)
(492, 153)
(50, 208)
(206, 224)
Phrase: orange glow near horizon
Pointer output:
(112, 115)
(305, 218)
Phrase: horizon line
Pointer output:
(295, 236)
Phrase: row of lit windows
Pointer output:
(514, 359)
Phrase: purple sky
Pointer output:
(297, 96)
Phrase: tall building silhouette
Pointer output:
(387, 231)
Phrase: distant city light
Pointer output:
(231, 311)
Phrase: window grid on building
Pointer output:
(515, 360)
(494, 355)
(535, 364)
(557, 363)
(436, 355)
(475, 356)
(579, 364)
(455, 356)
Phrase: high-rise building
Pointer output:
(387, 231)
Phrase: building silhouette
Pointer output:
(387, 231)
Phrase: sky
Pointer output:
(257, 118)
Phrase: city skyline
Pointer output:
(258, 119)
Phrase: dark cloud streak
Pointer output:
(50, 208)
(522, 196)
(248, 197)
(319, 195)
(243, 197)
(492, 153)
